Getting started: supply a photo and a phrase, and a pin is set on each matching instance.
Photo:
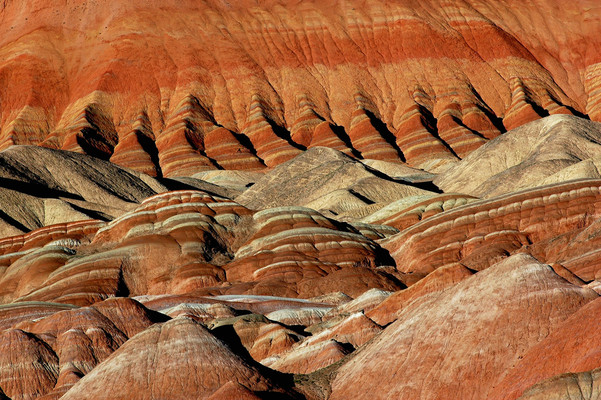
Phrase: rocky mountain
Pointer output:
(300, 200)
(174, 88)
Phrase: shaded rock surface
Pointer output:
(554, 149)
(219, 85)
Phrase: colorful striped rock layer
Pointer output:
(310, 200)
(176, 88)
(322, 278)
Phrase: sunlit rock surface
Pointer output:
(312, 200)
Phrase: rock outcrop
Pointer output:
(172, 360)
(555, 149)
(489, 324)
(483, 232)
(244, 86)
(40, 187)
(313, 200)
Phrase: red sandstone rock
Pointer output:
(296, 251)
(441, 78)
(483, 232)
(234, 93)
(28, 366)
(459, 344)
(171, 360)
(233, 391)
(307, 359)
(356, 329)
(439, 280)
(571, 348)
(406, 212)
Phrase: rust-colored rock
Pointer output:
(306, 200)
(483, 232)
(394, 80)
(171, 360)
(571, 348)
(460, 343)
(578, 386)
(440, 279)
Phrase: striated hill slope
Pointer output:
(300, 200)
(170, 88)
(278, 300)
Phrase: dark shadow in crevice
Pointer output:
(37, 190)
(284, 134)
(10, 220)
(228, 335)
(149, 146)
(385, 133)
(245, 141)
(342, 135)
(431, 125)
(93, 214)
(94, 144)
(492, 117)
(361, 197)
(461, 124)
(174, 184)
(195, 141)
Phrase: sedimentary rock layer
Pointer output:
(171, 89)
(483, 232)
(489, 324)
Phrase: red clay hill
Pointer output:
(173, 87)
(300, 200)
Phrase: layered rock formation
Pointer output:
(40, 187)
(244, 86)
(312, 200)
(551, 150)
(401, 276)
(481, 336)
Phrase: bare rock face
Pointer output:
(171, 360)
(571, 348)
(309, 358)
(483, 232)
(438, 280)
(325, 180)
(40, 187)
(297, 249)
(300, 200)
(409, 211)
(576, 386)
(47, 355)
(185, 241)
(490, 323)
(551, 150)
(28, 366)
(220, 90)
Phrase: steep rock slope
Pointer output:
(185, 241)
(572, 348)
(489, 323)
(40, 187)
(174, 360)
(569, 386)
(246, 85)
(328, 181)
(551, 150)
(483, 232)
